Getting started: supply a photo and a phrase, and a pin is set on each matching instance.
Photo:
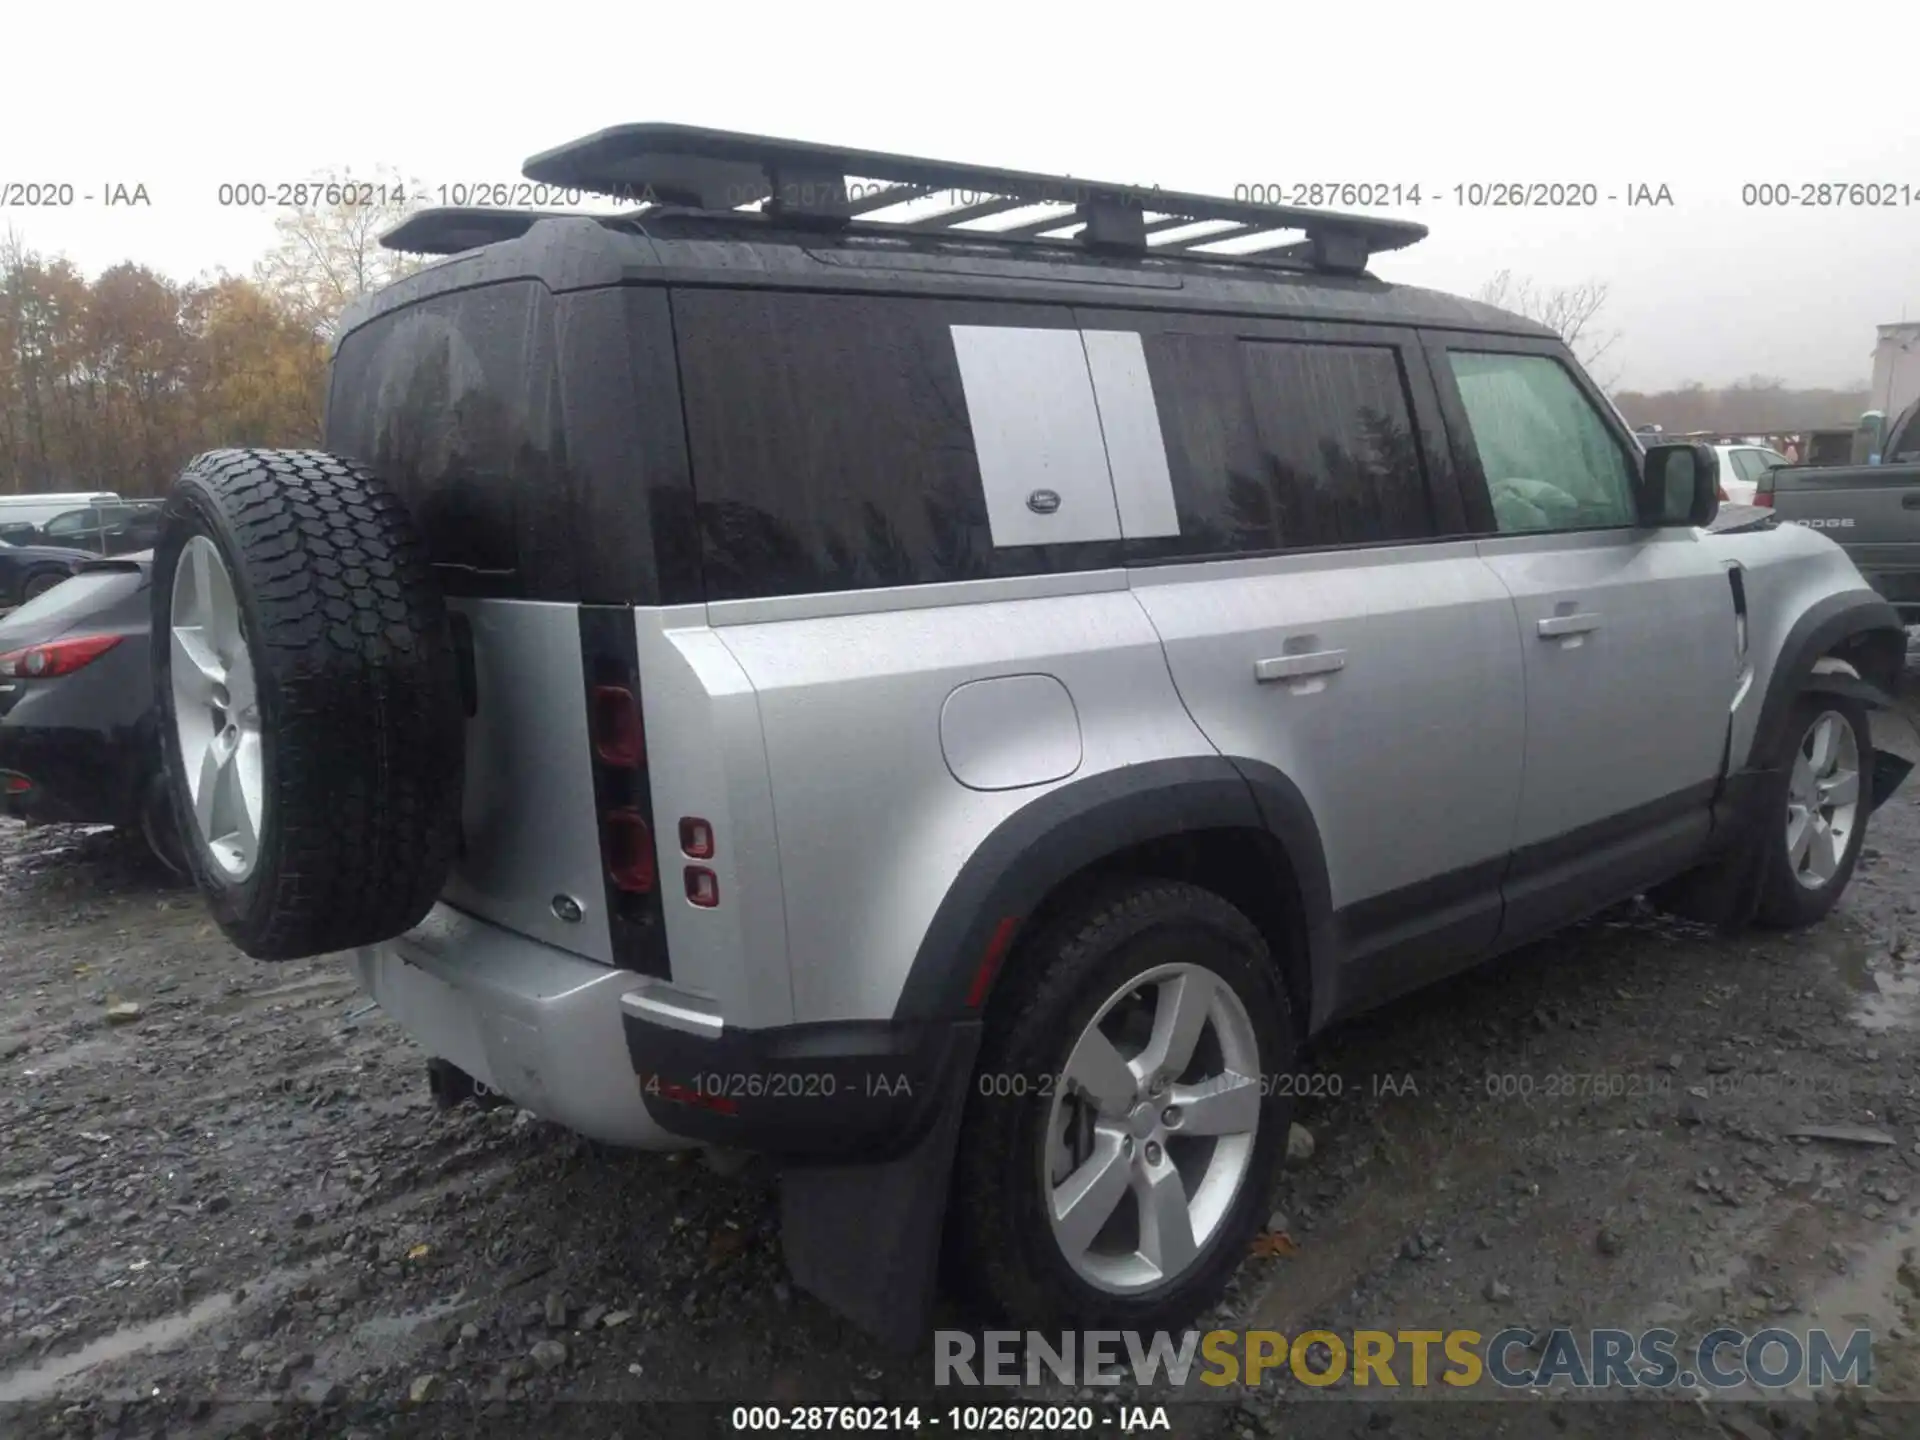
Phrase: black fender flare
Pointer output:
(1829, 622)
(1076, 825)
(865, 1237)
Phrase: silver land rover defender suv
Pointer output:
(949, 677)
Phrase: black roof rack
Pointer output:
(451, 229)
(825, 185)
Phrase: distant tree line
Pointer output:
(114, 383)
(1757, 405)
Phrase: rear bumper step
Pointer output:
(626, 1059)
(537, 1025)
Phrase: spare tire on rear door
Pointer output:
(308, 701)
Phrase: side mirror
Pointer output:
(1679, 485)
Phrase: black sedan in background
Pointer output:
(79, 739)
(27, 570)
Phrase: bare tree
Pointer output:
(1569, 310)
(329, 253)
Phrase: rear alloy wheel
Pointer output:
(1139, 1168)
(1823, 811)
(1119, 1143)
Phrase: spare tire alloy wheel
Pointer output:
(308, 701)
(216, 710)
(1147, 1150)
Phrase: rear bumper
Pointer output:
(629, 1060)
(860, 1090)
(538, 1025)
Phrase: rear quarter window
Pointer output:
(833, 448)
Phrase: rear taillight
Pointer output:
(628, 844)
(17, 785)
(1763, 490)
(623, 790)
(617, 737)
(60, 657)
(703, 887)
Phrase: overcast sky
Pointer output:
(1701, 99)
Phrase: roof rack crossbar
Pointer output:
(962, 215)
(1238, 230)
(886, 199)
(1038, 225)
(809, 184)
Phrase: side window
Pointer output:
(1550, 461)
(1282, 444)
(73, 522)
(1903, 442)
(838, 442)
(1746, 464)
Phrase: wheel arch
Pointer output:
(1237, 827)
(1851, 643)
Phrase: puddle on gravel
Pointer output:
(1886, 992)
(384, 1329)
(46, 1379)
(1879, 1291)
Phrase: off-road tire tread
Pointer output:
(360, 708)
(1021, 1037)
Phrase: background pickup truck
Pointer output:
(1872, 511)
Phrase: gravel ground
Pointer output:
(230, 1206)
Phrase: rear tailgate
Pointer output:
(1873, 511)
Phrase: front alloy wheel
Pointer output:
(1823, 799)
(1813, 845)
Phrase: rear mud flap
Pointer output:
(865, 1238)
(1889, 770)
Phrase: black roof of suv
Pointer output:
(1158, 254)
(528, 398)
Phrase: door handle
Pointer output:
(1292, 667)
(1910, 500)
(1554, 626)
